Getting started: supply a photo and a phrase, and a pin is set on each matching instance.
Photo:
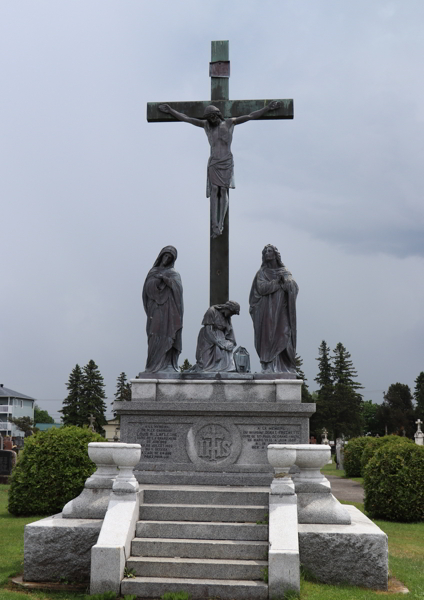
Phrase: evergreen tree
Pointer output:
(185, 366)
(42, 416)
(323, 417)
(123, 390)
(306, 395)
(371, 418)
(347, 401)
(419, 396)
(93, 397)
(72, 403)
(86, 396)
(397, 411)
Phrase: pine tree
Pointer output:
(185, 366)
(72, 403)
(123, 390)
(93, 397)
(397, 410)
(347, 401)
(323, 417)
(419, 396)
(306, 395)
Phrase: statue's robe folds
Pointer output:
(273, 311)
(220, 167)
(215, 343)
(164, 308)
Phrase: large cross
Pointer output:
(219, 71)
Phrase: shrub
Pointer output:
(374, 444)
(393, 482)
(352, 456)
(51, 470)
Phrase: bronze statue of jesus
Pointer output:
(220, 175)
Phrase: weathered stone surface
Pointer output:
(355, 554)
(56, 547)
(240, 388)
(225, 589)
(283, 557)
(209, 444)
(199, 568)
(211, 432)
(90, 504)
(233, 549)
(321, 508)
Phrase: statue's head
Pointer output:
(231, 308)
(213, 114)
(269, 253)
(166, 257)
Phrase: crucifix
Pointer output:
(218, 120)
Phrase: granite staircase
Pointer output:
(209, 541)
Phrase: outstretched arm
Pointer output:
(181, 116)
(257, 114)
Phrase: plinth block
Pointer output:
(211, 432)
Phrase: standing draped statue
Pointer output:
(273, 310)
(163, 303)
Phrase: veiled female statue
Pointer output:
(163, 303)
(216, 341)
(273, 310)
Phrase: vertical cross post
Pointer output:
(219, 246)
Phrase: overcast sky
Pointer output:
(90, 192)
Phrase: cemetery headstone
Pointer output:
(419, 435)
(7, 462)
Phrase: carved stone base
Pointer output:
(211, 432)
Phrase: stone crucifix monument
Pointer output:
(218, 118)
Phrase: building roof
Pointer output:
(11, 393)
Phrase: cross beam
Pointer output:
(219, 70)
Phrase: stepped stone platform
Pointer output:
(212, 430)
(211, 542)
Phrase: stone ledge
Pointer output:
(58, 548)
(303, 409)
(355, 554)
(216, 390)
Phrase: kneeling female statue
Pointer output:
(273, 310)
(163, 303)
(216, 341)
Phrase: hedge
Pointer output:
(393, 482)
(51, 470)
(375, 443)
(352, 456)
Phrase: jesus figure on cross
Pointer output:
(220, 175)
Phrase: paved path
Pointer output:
(346, 489)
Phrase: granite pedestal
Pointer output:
(212, 431)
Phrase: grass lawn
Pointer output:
(406, 561)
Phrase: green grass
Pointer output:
(406, 562)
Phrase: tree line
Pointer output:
(342, 410)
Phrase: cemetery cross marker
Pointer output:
(219, 71)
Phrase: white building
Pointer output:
(14, 404)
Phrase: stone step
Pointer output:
(203, 494)
(201, 530)
(200, 589)
(203, 512)
(186, 548)
(197, 568)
